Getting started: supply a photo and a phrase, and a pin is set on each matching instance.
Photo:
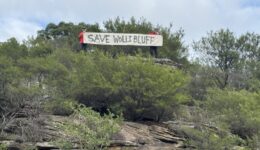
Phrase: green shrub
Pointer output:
(88, 129)
(239, 110)
(60, 107)
(63, 144)
(3, 147)
(134, 86)
(209, 140)
(148, 90)
(254, 142)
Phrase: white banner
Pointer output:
(122, 39)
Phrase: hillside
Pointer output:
(55, 95)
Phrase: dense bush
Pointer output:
(88, 129)
(137, 87)
(60, 107)
(134, 86)
(3, 147)
(14, 87)
(208, 139)
(239, 111)
(149, 90)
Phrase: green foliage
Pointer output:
(39, 47)
(133, 85)
(3, 147)
(9, 77)
(251, 44)
(206, 139)
(149, 90)
(220, 49)
(234, 59)
(10, 73)
(239, 110)
(63, 144)
(64, 35)
(89, 129)
(7, 72)
(254, 142)
(12, 49)
(202, 79)
(60, 107)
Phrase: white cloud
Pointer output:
(17, 28)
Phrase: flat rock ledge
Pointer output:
(132, 136)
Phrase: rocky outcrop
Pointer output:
(22, 134)
(135, 136)
(146, 136)
(166, 61)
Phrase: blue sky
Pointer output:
(251, 3)
(22, 18)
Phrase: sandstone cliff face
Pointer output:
(132, 136)
(146, 136)
(25, 133)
